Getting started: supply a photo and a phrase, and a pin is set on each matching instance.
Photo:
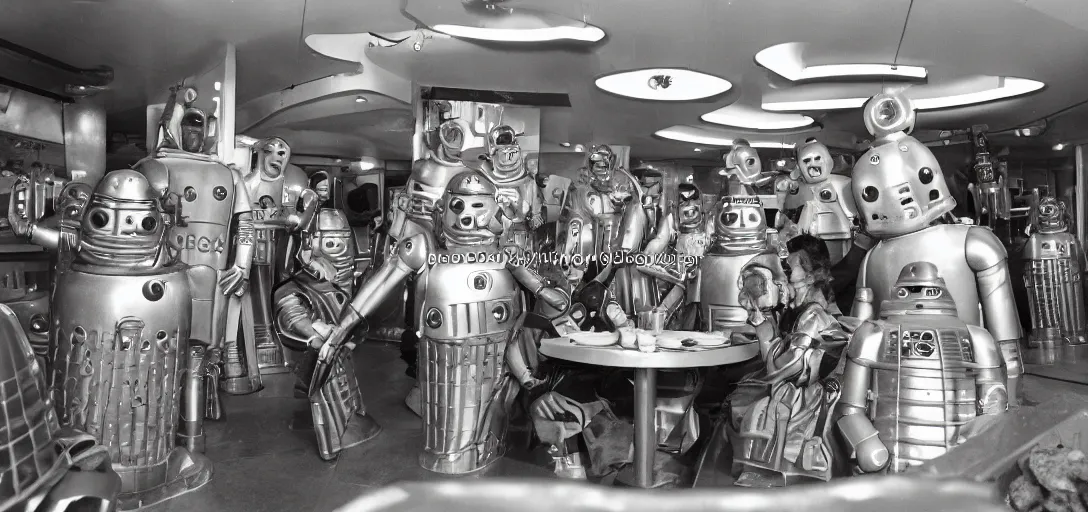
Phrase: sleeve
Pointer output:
(242, 204)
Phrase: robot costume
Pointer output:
(521, 201)
(902, 199)
(470, 299)
(123, 368)
(210, 199)
(818, 202)
(917, 377)
(990, 193)
(743, 163)
(1054, 261)
(46, 468)
(282, 203)
(306, 308)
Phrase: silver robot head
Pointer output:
(505, 154)
(273, 154)
(898, 185)
(739, 221)
(468, 212)
(330, 245)
(691, 209)
(451, 138)
(602, 166)
(920, 290)
(814, 163)
(743, 162)
(1050, 216)
(123, 223)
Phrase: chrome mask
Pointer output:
(333, 248)
(740, 223)
(505, 154)
(919, 290)
(602, 167)
(743, 162)
(691, 209)
(1050, 214)
(123, 223)
(272, 156)
(451, 138)
(194, 130)
(898, 185)
(322, 190)
(468, 212)
(814, 163)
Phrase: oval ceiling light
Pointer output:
(1010, 87)
(787, 61)
(743, 116)
(586, 33)
(663, 84)
(706, 137)
(829, 104)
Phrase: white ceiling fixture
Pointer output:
(1008, 87)
(1059, 147)
(663, 84)
(743, 116)
(360, 99)
(787, 60)
(586, 33)
(698, 150)
(695, 135)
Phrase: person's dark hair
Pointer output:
(815, 260)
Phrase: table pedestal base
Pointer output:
(645, 426)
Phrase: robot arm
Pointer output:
(301, 218)
(854, 424)
(987, 257)
(22, 221)
(294, 320)
(664, 236)
(410, 258)
(993, 397)
(538, 286)
(233, 281)
(863, 296)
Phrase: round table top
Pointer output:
(618, 357)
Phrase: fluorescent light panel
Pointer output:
(1010, 87)
(693, 135)
(786, 60)
(741, 116)
(687, 85)
(587, 33)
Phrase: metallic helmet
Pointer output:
(814, 163)
(505, 154)
(451, 138)
(331, 243)
(743, 162)
(602, 164)
(1050, 216)
(193, 126)
(920, 290)
(123, 223)
(691, 209)
(898, 185)
(273, 154)
(467, 214)
(739, 222)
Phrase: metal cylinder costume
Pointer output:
(1054, 261)
(275, 189)
(738, 240)
(915, 377)
(902, 199)
(819, 203)
(310, 304)
(213, 221)
(45, 468)
(121, 351)
(521, 201)
(470, 300)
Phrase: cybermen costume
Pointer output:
(819, 203)
(211, 199)
(306, 307)
(520, 199)
(121, 354)
(916, 377)
(743, 163)
(45, 468)
(471, 303)
(276, 191)
(1054, 261)
(902, 198)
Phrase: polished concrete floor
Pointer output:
(265, 458)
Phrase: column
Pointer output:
(1082, 185)
(85, 140)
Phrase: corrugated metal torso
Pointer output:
(1052, 275)
(119, 362)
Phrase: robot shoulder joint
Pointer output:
(983, 248)
(414, 251)
(983, 345)
(867, 343)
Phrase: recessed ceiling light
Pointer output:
(743, 116)
(787, 60)
(1059, 147)
(565, 144)
(664, 84)
(698, 150)
(587, 33)
(1009, 88)
(218, 85)
(360, 99)
(702, 136)
(579, 148)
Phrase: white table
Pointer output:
(646, 365)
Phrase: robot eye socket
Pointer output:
(749, 162)
(100, 219)
(870, 194)
(149, 224)
(752, 217)
(902, 293)
(730, 218)
(457, 206)
(925, 175)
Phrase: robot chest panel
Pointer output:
(922, 346)
(206, 197)
(601, 205)
(1056, 246)
(158, 306)
(468, 300)
(202, 244)
(719, 275)
(269, 199)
